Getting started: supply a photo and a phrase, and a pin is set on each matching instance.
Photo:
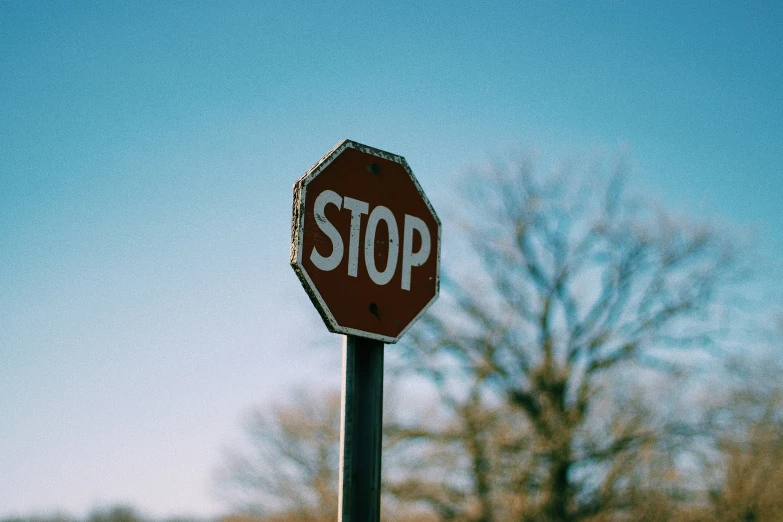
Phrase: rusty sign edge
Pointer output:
(297, 238)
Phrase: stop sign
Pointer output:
(365, 242)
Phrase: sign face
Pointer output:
(365, 242)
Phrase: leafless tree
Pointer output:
(287, 468)
(562, 286)
(288, 465)
(749, 475)
(551, 364)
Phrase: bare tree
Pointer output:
(553, 360)
(561, 287)
(749, 475)
(287, 468)
(289, 464)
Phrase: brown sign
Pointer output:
(365, 242)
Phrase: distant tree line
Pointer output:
(114, 513)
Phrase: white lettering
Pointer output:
(357, 208)
(381, 213)
(409, 258)
(327, 263)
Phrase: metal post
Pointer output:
(360, 430)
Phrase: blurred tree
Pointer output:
(55, 517)
(567, 296)
(749, 483)
(289, 466)
(118, 513)
(288, 470)
(561, 284)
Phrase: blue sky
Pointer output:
(148, 152)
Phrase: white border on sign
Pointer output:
(304, 180)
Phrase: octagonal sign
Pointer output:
(365, 242)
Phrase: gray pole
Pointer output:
(360, 430)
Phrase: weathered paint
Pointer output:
(311, 281)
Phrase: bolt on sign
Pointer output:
(365, 242)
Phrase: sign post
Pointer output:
(365, 244)
(360, 430)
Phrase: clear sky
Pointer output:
(147, 153)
